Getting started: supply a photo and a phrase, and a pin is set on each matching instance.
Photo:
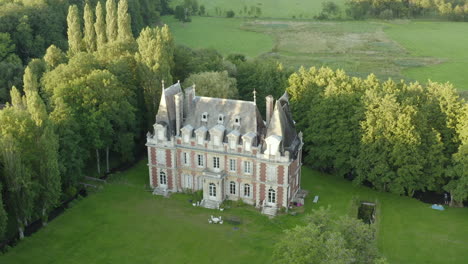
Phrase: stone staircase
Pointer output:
(162, 192)
(269, 210)
(209, 204)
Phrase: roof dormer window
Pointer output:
(204, 117)
(237, 120)
(220, 119)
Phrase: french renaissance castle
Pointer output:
(226, 149)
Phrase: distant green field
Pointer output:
(269, 8)
(224, 35)
(443, 40)
(415, 51)
(124, 223)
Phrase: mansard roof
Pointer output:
(249, 117)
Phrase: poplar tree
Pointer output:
(155, 57)
(100, 26)
(75, 36)
(48, 173)
(54, 57)
(111, 21)
(124, 27)
(89, 31)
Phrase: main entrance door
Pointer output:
(212, 191)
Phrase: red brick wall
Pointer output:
(262, 192)
(153, 156)
(170, 182)
(279, 196)
(280, 174)
(262, 172)
(168, 158)
(154, 172)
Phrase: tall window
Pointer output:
(162, 178)
(247, 190)
(247, 167)
(232, 187)
(216, 162)
(212, 190)
(232, 165)
(271, 196)
(201, 162)
(185, 158)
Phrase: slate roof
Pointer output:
(249, 117)
(250, 123)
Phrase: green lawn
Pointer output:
(123, 223)
(269, 8)
(224, 35)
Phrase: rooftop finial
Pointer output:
(255, 96)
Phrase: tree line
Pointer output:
(456, 10)
(400, 137)
(96, 97)
(29, 27)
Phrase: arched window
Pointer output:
(232, 187)
(247, 190)
(212, 190)
(162, 178)
(271, 196)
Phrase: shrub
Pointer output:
(230, 14)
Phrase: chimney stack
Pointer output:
(189, 96)
(269, 108)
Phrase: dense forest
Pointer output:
(93, 75)
(29, 27)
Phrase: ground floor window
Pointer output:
(212, 190)
(247, 190)
(271, 196)
(162, 178)
(232, 187)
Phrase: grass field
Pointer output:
(123, 223)
(415, 51)
(443, 40)
(224, 35)
(269, 8)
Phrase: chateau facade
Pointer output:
(226, 149)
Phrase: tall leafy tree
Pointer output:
(100, 26)
(458, 184)
(214, 84)
(53, 57)
(124, 26)
(326, 239)
(154, 65)
(111, 21)
(75, 36)
(89, 31)
(17, 138)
